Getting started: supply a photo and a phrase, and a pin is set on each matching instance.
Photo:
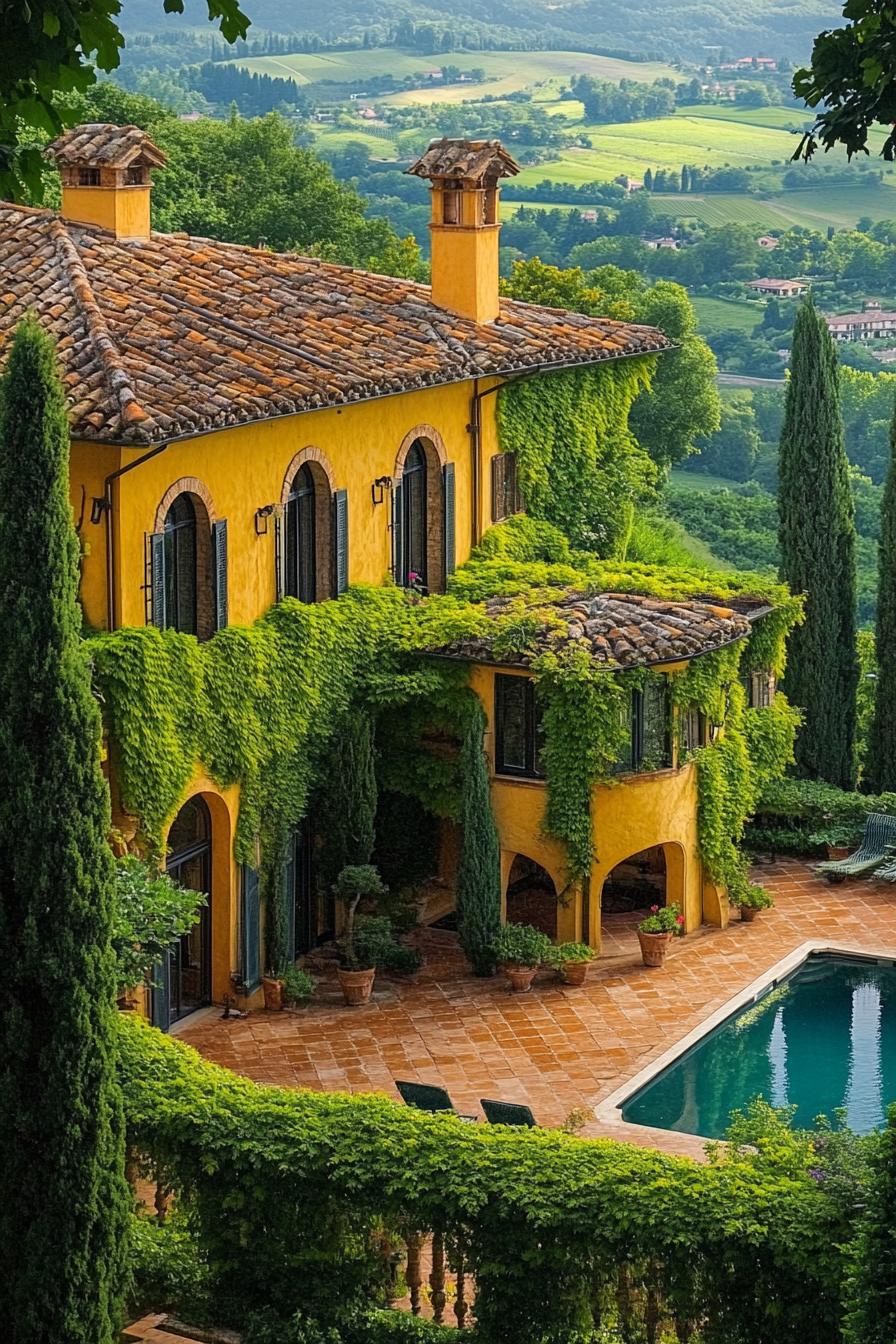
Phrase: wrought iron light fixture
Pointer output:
(379, 488)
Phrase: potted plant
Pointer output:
(751, 900)
(519, 950)
(837, 838)
(272, 985)
(657, 931)
(364, 939)
(298, 986)
(572, 960)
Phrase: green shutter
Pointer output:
(450, 523)
(219, 547)
(157, 579)
(279, 556)
(398, 573)
(250, 933)
(340, 535)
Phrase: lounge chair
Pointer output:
(878, 842)
(507, 1113)
(887, 870)
(427, 1097)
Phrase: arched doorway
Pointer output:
(187, 557)
(423, 512)
(653, 876)
(183, 980)
(531, 896)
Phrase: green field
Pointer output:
(727, 313)
(693, 480)
(507, 71)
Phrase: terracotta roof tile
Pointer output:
(470, 160)
(175, 335)
(619, 629)
(103, 144)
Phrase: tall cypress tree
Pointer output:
(479, 869)
(880, 767)
(64, 1203)
(817, 534)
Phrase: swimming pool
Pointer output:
(822, 1038)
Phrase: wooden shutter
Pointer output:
(450, 546)
(157, 579)
(398, 573)
(250, 937)
(497, 487)
(219, 547)
(279, 555)
(340, 539)
(513, 495)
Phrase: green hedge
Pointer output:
(793, 813)
(292, 1196)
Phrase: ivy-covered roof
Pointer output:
(174, 335)
(619, 629)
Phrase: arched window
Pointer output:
(183, 978)
(301, 539)
(180, 566)
(187, 560)
(415, 517)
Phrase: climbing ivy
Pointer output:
(580, 466)
(259, 706)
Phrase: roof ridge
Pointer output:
(108, 354)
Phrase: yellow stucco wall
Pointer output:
(634, 813)
(124, 211)
(244, 468)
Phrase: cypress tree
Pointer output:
(64, 1203)
(479, 869)
(348, 799)
(817, 535)
(880, 767)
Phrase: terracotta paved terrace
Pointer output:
(555, 1048)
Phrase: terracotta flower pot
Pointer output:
(838, 852)
(356, 986)
(654, 947)
(748, 913)
(273, 994)
(574, 972)
(520, 977)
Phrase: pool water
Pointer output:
(820, 1040)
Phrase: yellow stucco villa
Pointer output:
(247, 425)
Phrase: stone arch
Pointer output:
(320, 472)
(433, 445)
(531, 895)
(321, 469)
(205, 516)
(187, 485)
(435, 455)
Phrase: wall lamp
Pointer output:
(98, 506)
(379, 488)
(261, 519)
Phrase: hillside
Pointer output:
(672, 30)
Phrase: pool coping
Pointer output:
(609, 1111)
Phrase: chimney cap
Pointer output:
(467, 160)
(103, 144)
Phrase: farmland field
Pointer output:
(729, 314)
(507, 71)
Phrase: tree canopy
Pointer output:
(852, 77)
(683, 402)
(48, 47)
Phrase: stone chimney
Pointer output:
(464, 177)
(106, 176)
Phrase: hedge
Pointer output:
(798, 816)
(293, 1194)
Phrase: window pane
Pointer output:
(511, 735)
(655, 750)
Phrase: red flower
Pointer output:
(679, 919)
(654, 909)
